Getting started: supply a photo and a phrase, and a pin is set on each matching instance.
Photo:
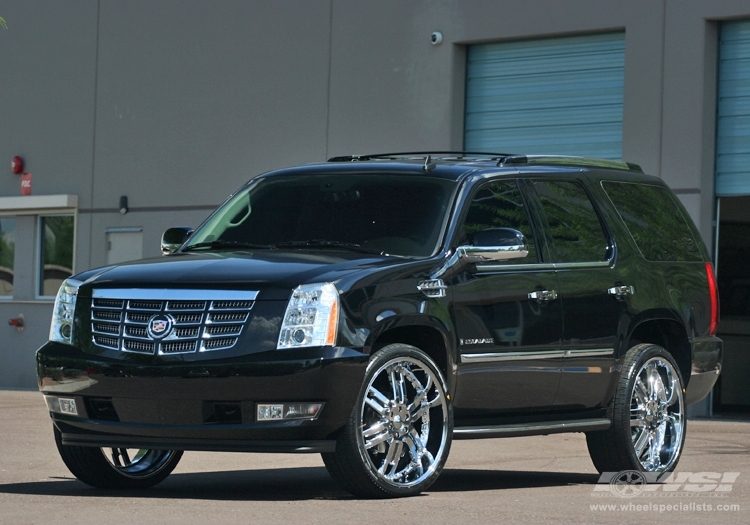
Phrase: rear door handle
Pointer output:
(621, 291)
(543, 296)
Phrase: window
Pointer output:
(56, 242)
(7, 254)
(654, 220)
(499, 205)
(575, 228)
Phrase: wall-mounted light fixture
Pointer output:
(124, 204)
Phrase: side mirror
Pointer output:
(173, 238)
(495, 244)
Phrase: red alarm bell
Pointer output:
(16, 165)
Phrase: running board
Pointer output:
(531, 429)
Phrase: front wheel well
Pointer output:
(427, 339)
(671, 336)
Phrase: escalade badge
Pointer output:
(160, 326)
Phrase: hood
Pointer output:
(273, 273)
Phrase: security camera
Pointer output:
(436, 38)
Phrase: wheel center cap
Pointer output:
(400, 417)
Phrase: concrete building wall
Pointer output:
(175, 103)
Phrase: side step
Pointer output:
(531, 429)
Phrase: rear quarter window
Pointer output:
(654, 220)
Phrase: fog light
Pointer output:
(61, 405)
(283, 411)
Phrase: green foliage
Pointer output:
(2, 23)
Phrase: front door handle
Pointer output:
(621, 291)
(543, 296)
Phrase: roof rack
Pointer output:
(439, 154)
(502, 159)
(562, 160)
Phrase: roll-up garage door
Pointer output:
(558, 96)
(733, 126)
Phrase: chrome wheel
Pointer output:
(657, 415)
(647, 413)
(138, 463)
(399, 434)
(398, 438)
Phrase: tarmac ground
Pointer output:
(545, 479)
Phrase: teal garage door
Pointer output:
(558, 96)
(733, 124)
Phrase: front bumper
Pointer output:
(202, 405)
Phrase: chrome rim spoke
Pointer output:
(378, 433)
(640, 444)
(377, 401)
(390, 464)
(397, 385)
(656, 446)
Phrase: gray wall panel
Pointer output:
(195, 97)
(48, 61)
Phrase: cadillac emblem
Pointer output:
(160, 326)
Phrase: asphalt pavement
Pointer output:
(545, 479)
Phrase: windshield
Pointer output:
(378, 213)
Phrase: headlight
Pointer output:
(61, 329)
(311, 317)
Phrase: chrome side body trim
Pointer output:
(510, 356)
(522, 356)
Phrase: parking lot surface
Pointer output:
(545, 479)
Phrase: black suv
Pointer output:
(374, 308)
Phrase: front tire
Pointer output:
(117, 468)
(647, 413)
(399, 434)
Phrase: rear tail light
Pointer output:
(714, 294)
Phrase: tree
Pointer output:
(2, 23)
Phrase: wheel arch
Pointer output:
(670, 335)
(422, 332)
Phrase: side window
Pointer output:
(7, 254)
(499, 205)
(575, 229)
(654, 221)
(56, 242)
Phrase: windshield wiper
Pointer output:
(322, 243)
(226, 245)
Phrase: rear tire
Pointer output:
(117, 468)
(399, 434)
(647, 413)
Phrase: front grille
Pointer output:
(195, 320)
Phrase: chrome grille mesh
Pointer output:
(197, 320)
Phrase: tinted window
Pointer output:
(575, 228)
(394, 214)
(499, 205)
(654, 220)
